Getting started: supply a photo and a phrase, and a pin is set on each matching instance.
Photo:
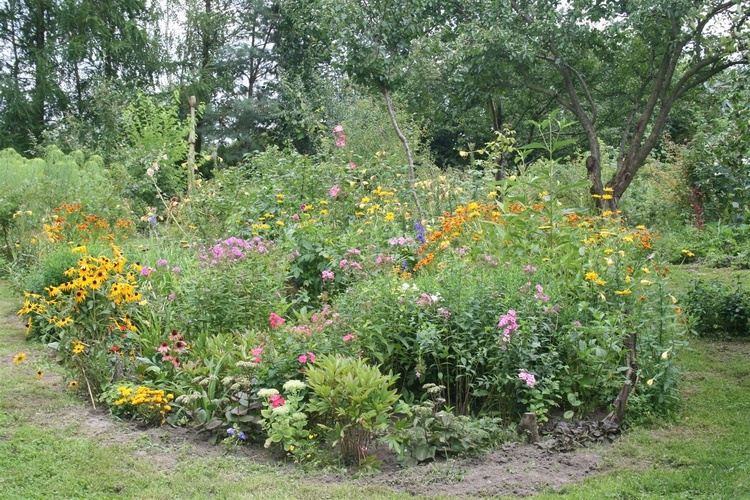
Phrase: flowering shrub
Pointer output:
(89, 319)
(286, 423)
(151, 406)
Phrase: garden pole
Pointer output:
(191, 151)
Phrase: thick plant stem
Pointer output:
(409, 158)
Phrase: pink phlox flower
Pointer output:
(527, 377)
(530, 269)
(276, 320)
(347, 337)
(311, 357)
(540, 295)
(176, 269)
(551, 310)
(343, 263)
(162, 262)
(257, 351)
(302, 359)
(334, 191)
(327, 275)
(354, 251)
(446, 314)
(170, 296)
(508, 324)
(576, 323)
(352, 165)
(145, 271)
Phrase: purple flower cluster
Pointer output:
(233, 249)
(421, 233)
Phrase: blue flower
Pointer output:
(242, 436)
(230, 431)
(420, 232)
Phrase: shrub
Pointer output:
(354, 402)
(718, 311)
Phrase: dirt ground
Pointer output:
(514, 469)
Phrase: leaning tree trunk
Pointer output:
(631, 379)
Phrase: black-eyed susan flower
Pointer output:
(19, 358)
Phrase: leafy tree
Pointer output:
(618, 67)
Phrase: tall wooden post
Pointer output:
(191, 151)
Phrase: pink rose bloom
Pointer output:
(276, 320)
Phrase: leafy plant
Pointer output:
(353, 401)
(428, 429)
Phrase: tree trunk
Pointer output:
(631, 378)
(409, 158)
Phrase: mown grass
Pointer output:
(46, 450)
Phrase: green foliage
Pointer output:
(718, 311)
(232, 285)
(50, 270)
(428, 430)
(353, 400)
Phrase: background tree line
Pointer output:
(623, 73)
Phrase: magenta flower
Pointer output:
(302, 359)
(311, 357)
(347, 337)
(530, 269)
(276, 320)
(334, 192)
(327, 275)
(145, 271)
(170, 296)
(257, 351)
(295, 217)
(276, 401)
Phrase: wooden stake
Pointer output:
(191, 151)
